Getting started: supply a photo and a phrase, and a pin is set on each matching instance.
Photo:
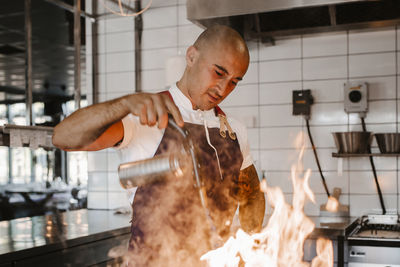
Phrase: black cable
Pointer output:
(316, 158)
(371, 160)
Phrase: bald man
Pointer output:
(169, 226)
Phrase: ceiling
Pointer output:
(52, 52)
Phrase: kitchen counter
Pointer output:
(65, 234)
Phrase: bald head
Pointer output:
(219, 36)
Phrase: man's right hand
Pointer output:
(99, 126)
(152, 109)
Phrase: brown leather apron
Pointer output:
(169, 226)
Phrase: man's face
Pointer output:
(214, 73)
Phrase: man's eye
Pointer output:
(234, 83)
(218, 73)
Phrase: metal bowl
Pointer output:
(352, 142)
(388, 142)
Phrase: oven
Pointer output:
(374, 241)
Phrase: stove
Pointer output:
(374, 241)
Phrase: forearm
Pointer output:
(85, 125)
(251, 213)
(251, 200)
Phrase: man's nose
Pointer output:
(222, 86)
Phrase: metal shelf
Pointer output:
(348, 155)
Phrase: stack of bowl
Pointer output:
(352, 142)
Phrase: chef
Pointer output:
(169, 225)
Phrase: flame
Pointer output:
(332, 205)
(281, 242)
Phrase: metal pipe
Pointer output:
(70, 8)
(138, 47)
(77, 45)
(28, 62)
(95, 57)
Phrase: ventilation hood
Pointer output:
(268, 19)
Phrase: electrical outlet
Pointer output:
(302, 101)
(356, 97)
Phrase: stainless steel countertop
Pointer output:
(50, 232)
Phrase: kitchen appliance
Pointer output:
(388, 142)
(374, 240)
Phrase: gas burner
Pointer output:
(375, 227)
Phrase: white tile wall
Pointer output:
(372, 41)
(325, 44)
(372, 64)
(325, 68)
(263, 101)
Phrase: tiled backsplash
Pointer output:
(263, 101)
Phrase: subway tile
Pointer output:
(372, 64)
(279, 137)
(97, 161)
(251, 75)
(153, 79)
(160, 17)
(280, 179)
(363, 182)
(381, 164)
(188, 34)
(120, 42)
(117, 200)
(278, 160)
(97, 200)
(159, 38)
(333, 179)
(119, 24)
(113, 160)
(383, 111)
(253, 138)
(278, 115)
(325, 158)
(256, 160)
(283, 49)
(398, 62)
(398, 38)
(242, 95)
(101, 43)
(323, 135)
(380, 87)
(246, 115)
(325, 44)
(328, 113)
(372, 41)
(102, 85)
(326, 90)
(325, 68)
(253, 50)
(163, 3)
(113, 182)
(117, 62)
(102, 63)
(369, 204)
(182, 16)
(97, 181)
(280, 71)
(278, 93)
(157, 58)
(120, 82)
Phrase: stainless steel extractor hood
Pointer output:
(268, 19)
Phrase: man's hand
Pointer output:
(152, 109)
(251, 200)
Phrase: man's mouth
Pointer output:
(212, 98)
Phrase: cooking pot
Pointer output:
(388, 142)
(352, 142)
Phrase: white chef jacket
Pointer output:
(141, 141)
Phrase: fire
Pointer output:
(281, 242)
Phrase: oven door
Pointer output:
(372, 256)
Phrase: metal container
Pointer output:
(148, 171)
(388, 142)
(352, 142)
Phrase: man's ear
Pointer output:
(191, 55)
